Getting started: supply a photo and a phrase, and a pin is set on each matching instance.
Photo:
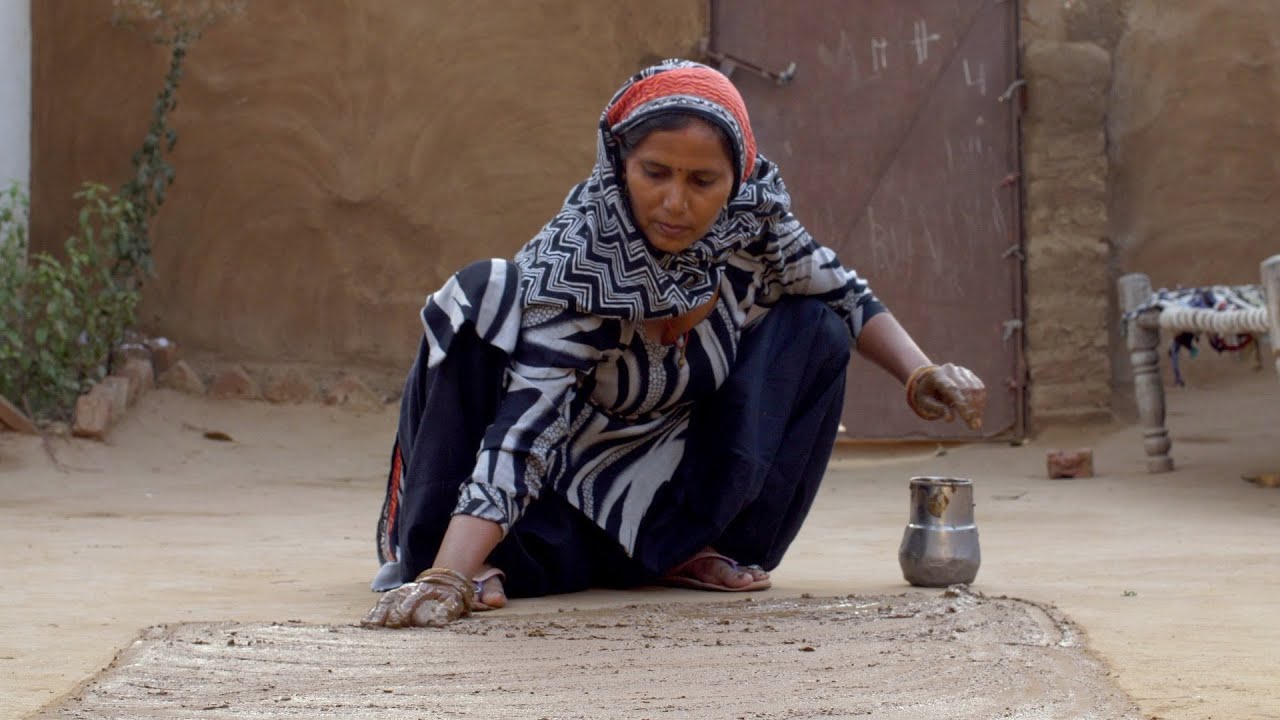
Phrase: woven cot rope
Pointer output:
(1219, 322)
(1216, 309)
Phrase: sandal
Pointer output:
(480, 580)
(676, 578)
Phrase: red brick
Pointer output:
(126, 352)
(291, 387)
(118, 390)
(12, 417)
(93, 413)
(141, 377)
(182, 378)
(1070, 463)
(234, 383)
(164, 353)
(352, 391)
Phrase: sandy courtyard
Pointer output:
(1173, 580)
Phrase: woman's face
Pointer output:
(678, 181)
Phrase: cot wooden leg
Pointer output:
(1135, 288)
(1271, 286)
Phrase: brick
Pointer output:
(1070, 463)
(234, 383)
(141, 377)
(15, 419)
(182, 378)
(118, 390)
(164, 353)
(352, 391)
(126, 352)
(291, 387)
(93, 413)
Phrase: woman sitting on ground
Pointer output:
(650, 393)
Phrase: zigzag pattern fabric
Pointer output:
(591, 258)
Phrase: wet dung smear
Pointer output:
(955, 654)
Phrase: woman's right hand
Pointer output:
(935, 392)
(435, 598)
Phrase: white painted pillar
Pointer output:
(15, 92)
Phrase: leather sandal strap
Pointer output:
(703, 555)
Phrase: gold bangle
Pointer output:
(466, 586)
(437, 571)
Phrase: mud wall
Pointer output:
(1150, 145)
(337, 161)
(1194, 129)
(1195, 140)
(1067, 63)
(334, 168)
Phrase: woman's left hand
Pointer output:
(938, 391)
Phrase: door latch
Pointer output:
(728, 63)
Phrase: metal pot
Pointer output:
(940, 545)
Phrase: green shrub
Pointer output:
(60, 317)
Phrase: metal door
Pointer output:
(898, 141)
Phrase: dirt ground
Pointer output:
(1172, 579)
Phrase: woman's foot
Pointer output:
(491, 594)
(709, 570)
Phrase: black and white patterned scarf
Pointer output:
(592, 258)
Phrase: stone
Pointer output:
(352, 391)
(164, 353)
(234, 383)
(141, 377)
(117, 388)
(125, 352)
(182, 378)
(291, 387)
(93, 414)
(15, 419)
(1070, 463)
(1265, 480)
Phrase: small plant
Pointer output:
(13, 274)
(175, 24)
(60, 318)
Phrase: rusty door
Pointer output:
(897, 137)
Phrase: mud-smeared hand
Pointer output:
(935, 392)
(435, 599)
